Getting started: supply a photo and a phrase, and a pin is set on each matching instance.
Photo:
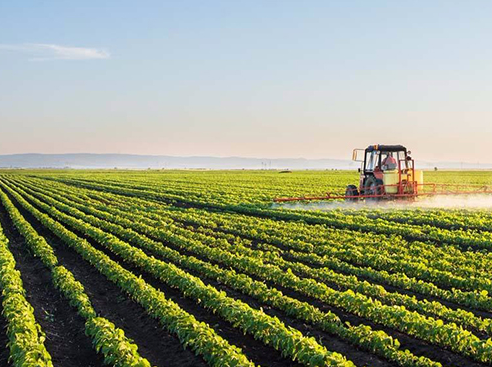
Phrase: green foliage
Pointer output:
(26, 339)
(192, 333)
(107, 339)
(221, 226)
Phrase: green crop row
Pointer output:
(376, 341)
(434, 331)
(255, 322)
(117, 349)
(124, 218)
(468, 272)
(26, 339)
(328, 258)
(450, 219)
(193, 334)
(444, 262)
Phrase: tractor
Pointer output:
(388, 172)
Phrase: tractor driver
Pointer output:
(389, 163)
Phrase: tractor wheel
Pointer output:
(373, 186)
(351, 190)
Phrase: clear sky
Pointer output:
(309, 79)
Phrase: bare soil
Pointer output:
(65, 329)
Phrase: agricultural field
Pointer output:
(197, 268)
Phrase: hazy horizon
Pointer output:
(136, 161)
(247, 78)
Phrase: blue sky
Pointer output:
(246, 78)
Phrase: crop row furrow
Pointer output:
(290, 342)
(193, 334)
(376, 341)
(145, 225)
(426, 328)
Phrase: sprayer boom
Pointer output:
(421, 190)
(388, 173)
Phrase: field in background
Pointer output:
(129, 267)
(243, 186)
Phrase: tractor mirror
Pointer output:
(358, 155)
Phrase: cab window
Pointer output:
(372, 160)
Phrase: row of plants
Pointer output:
(290, 342)
(196, 335)
(418, 260)
(26, 338)
(310, 217)
(412, 323)
(471, 299)
(450, 265)
(145, 225)
(450, 219)
(249, 188)
(444, 263)
(117, 349)
(375, 341)
(353, 260)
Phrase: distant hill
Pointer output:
(133, 161)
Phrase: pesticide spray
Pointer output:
(478, 202)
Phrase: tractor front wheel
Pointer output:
(373, 186)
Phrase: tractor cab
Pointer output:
(385, 170)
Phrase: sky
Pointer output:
(267, 79)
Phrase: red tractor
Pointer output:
(388, 173)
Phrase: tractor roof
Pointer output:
(386, 148)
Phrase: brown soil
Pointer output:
(254, 349)
(65, 332)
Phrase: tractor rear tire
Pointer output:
(351, 190)
(373, 186)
